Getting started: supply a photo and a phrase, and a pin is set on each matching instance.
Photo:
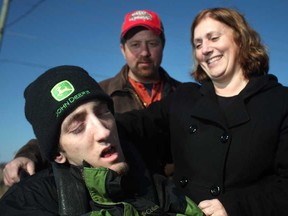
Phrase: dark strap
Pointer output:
(72, 194)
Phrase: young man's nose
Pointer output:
(100, 131)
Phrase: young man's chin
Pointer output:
(121, 168)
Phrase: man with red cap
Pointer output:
(142, 80)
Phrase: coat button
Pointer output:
(183, 181)
(224, 138)
(192, 129)
(215, 190)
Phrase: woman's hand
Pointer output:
(212, 208)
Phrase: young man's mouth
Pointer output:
(109, 152)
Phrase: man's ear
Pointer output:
(60, 158)
(123, 50)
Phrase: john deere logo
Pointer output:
(62, 90)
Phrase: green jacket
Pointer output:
(98, 182)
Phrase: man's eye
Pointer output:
(154, 44)
(100, 113)
(101, 110)
(198, 46)
(134, 45)
(77, 129)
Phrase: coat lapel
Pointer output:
(237, 113)
(207, 108)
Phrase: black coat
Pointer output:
(237, 154)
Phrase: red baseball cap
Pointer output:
(145, 18)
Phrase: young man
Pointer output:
(73, 121)
(140, 82)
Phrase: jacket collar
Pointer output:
(96, 180)
(120, 81)
(105, 185)
(207, 107)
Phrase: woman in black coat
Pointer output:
(229, 133)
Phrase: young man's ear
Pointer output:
(60, 158)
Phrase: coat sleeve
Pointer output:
(153, 122)
(147, 124)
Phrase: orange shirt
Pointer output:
(144, 95)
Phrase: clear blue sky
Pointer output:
(42, 34)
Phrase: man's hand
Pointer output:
(12, 170)
(212, 208)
